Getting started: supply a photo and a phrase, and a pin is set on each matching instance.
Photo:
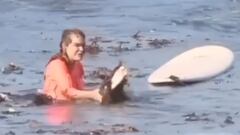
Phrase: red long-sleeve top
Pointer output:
(62, 82)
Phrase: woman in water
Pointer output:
(64, 74)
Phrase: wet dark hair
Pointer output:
(66, 40)
(66, 37)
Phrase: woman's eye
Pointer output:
(78, 45)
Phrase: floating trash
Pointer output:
(11, 111)
(3, 97)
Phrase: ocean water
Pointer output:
(30, 33)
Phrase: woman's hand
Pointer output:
(96, 95)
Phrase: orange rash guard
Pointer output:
(60, 82)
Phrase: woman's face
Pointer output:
(75, 49)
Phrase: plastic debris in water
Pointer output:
(11, 111)
(3, 97)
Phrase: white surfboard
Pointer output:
(197, 64)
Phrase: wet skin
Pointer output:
(75, 49)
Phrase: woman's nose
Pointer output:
(81, 48)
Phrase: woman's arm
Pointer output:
(84, 94)
(59, 71)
